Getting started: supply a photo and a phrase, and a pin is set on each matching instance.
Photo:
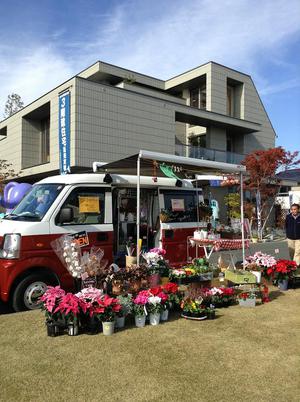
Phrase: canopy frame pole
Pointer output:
(138, 209)
(242, 215)
(197, 205)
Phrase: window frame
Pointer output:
(106, 191)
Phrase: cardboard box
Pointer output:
(240, 277)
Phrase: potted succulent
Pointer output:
(49, 303)
(139, 308)
(247, 299)
(106, 311)
(283, 271)
(126, 308)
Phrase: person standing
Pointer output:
(292, 227)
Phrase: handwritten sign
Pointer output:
(89, 204)
(177, 204)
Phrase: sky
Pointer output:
(45, 42)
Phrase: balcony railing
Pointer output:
(207, 153)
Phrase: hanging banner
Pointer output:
(64, 133)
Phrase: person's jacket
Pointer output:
(292, 227)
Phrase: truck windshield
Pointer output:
(36, 203)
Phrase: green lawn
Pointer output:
(244, 355)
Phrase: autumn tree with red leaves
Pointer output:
(262, 166)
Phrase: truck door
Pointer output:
(89, 209)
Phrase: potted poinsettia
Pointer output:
(106, 312)
(260, 264)
(139, 308)
(90, 320)
(283, 271)
(126, 308)
(69, 308)
(49, 302)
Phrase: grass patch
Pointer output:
(244, 355)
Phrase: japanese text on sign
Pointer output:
(64, 132)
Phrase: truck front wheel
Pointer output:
(28, 291)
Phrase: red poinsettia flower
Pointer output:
(69, 304)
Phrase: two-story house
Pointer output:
(210, 112)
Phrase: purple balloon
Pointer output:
(13, 193)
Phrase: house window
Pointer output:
(198, 140)
(194, 98)
(230, 101)
(203, 97)
(45, 141)
(198, 97)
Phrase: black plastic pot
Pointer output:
(52, 329)
(93, 326)
(211, 315)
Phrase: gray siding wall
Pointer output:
(113, 123)
(252, 108)
(21, 148)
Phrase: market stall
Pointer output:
(148, 163)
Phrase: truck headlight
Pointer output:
(11, 246)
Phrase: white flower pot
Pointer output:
(283, 285)
(247, 302)
(258, 275)
(154, 318)
(120, 322)
(164, 315)
(73, 329)
(140, 320)
(108, 328)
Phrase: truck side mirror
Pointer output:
(66, 215)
